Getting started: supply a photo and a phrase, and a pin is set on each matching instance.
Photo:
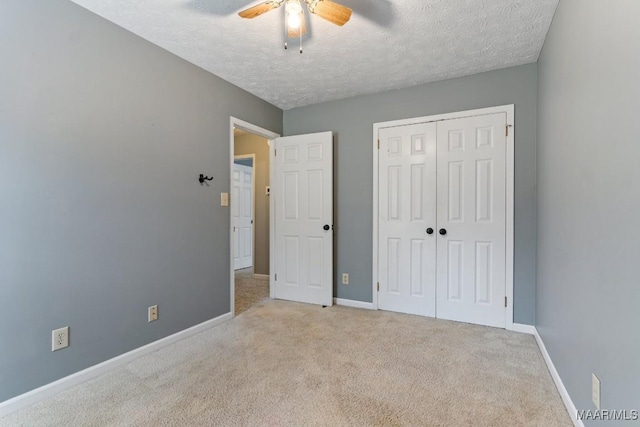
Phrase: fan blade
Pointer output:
(258, 10)
(295, 32)
(332, 12)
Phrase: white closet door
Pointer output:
(471, 203)
(303, 234)
(242, 200)
(407, 193)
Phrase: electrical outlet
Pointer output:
(59, 338)
(345, 278)
(153, 313)
(595, 390)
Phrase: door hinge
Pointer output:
(275, 152)
(276, 279)
(378, 287)
(505, 302)
(506, 129)
(378, 144)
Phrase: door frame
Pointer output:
(269, 135)
(509, 110)
(253, 202)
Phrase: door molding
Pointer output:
(509, 111)
(269, 135)
(251, 156)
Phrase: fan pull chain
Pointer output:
(300, 31)
(285, 37)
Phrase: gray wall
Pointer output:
(588, 292)
(102, 138)
(249, 143)
(352, 120)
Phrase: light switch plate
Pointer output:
(224, 199)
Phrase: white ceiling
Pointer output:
(388, 44)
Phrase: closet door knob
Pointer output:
(429, 230)
(442, 231)
(326, 227)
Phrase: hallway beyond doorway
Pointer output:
(250, 290)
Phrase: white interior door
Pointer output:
(303, 235)
(407, 219)
(471, 204)
(242, 199)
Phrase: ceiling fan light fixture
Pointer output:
(294, 19)
(294, 12)
(294, 23)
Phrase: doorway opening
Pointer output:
(244, 199)
(250, 215)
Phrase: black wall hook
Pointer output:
(203, 178)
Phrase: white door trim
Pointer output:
(253, 202)
(265, 133)
(509, 111)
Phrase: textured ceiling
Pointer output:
(388, 44)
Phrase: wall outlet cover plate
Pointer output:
(595, 390)
(153, 313)
(59, 338)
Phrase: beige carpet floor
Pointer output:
(250, 290)
(287, 364)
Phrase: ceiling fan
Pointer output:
(295, 24)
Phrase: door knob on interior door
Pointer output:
(326, 227)
(429, 230)
(442, 231)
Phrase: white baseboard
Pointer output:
(522, 328)
(353, 303)
(261, 276)
(564, 394)
(29, 398)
